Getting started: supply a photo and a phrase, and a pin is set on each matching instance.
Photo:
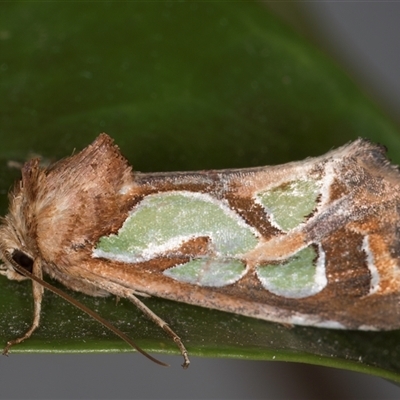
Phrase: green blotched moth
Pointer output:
(314, 243)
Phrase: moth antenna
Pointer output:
(85, 309)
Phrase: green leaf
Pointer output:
(179, 85)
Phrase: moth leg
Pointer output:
(162, 324)
(37, 291)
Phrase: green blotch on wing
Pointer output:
(208, 272)
(290, 203)
(164, 221)
(298, 277)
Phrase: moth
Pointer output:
(315, 242)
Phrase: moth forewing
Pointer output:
(312, 243)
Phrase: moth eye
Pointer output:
(22, 260)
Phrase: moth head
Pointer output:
(21, 259)
(13, 251)
(16, 244)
